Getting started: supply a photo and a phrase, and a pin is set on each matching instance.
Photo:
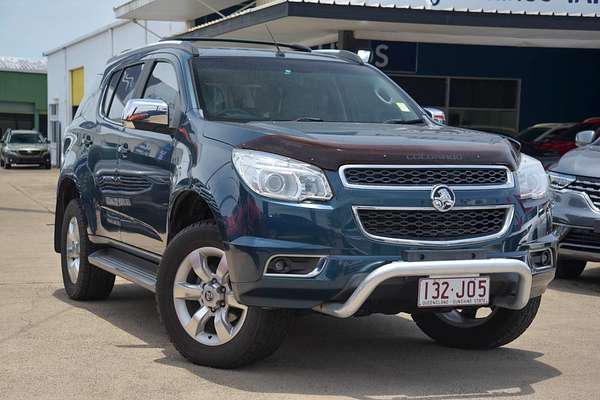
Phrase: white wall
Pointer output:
(92, 53)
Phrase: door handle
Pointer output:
(123, 150)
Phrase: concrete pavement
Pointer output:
(54, 348)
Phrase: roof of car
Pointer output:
(213, 51)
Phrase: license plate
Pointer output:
(443, 292)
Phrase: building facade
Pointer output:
(495, 65)
(23, 96)
(75, 68)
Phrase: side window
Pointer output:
(110, 90)
(124, 91)
(162, 85)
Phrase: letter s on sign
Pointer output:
(381, 58)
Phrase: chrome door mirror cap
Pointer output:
(147, 114)
(436, 114)
(584, 138)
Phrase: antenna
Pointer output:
(279, 53)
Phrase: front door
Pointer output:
(145, 168)
(104, 151)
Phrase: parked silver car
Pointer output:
(575, 181)
(24, 147)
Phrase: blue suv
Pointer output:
(246, 186)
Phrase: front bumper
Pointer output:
(577, 223)
(397, 269)
(18, 159)
(258, 229)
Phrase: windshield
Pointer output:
(24, 138)
(245, 89)
(530, 134)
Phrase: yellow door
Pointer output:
(76, 88)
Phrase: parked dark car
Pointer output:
(550, 146)
(575, 183)
(243, 186)
(24, 147)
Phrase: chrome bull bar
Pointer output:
(436, 268)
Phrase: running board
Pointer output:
(132, 268)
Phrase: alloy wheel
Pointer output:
(203, 299)
(467, 317)
(73, 247)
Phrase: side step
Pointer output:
(134, 269)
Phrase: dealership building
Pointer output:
(499, 65)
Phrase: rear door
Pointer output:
(104, 150)
(145, 171)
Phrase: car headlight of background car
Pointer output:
(532, 178)
(279, 177)
(560, 181)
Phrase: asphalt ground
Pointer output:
(55, 348)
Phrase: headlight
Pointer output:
(11, 152)
(560, 181)
(280, 177)
(533, 181)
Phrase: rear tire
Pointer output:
(569, 268)
(253, 334)
(82, 280)
(502, 327)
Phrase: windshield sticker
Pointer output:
(402, 106)
(287, 72)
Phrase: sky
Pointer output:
(30, 27)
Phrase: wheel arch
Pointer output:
(188, 207)
(67, 190)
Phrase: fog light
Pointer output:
(294, 265)
(540, 259)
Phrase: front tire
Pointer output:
(569, 268)
(461, 329)
(82, 280)
(203, 319)
(7, 165)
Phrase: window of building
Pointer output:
(477, 103)
(124, 91)
(162, 85)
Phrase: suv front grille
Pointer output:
(30, 152)
(431, 225)
(582, 237)
(590, 186)
(429, 176)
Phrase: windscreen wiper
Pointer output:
(404, 121)
(309, 119)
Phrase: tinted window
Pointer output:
(124, 91)
(162, 85)
(266, 89)
(532, 133)
(110, 90)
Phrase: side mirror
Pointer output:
(436, 114)
(147, 114)
(584, 138)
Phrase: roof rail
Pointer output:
(341, 54)
(158, 45)
(297, 47)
